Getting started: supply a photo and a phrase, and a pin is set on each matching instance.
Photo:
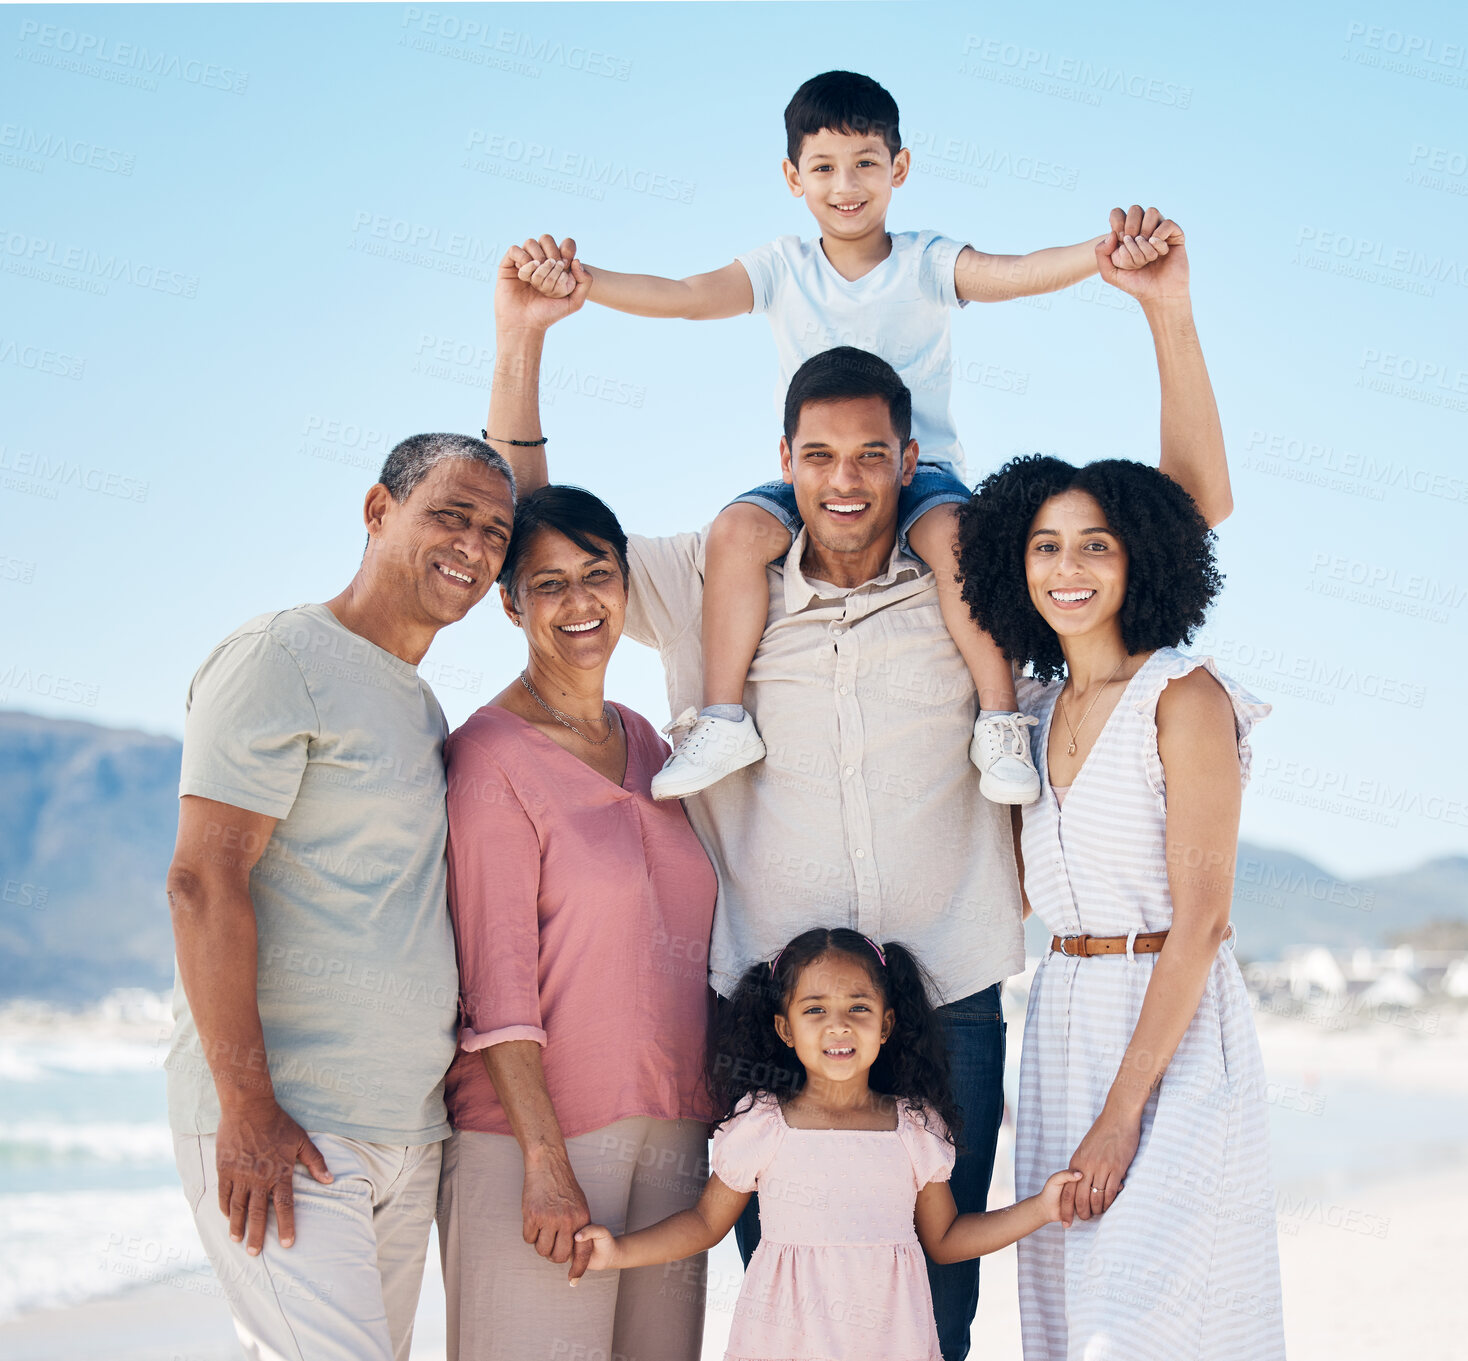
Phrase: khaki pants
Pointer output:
(508, 1303)
(348, 1289)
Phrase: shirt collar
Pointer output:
(801, 592)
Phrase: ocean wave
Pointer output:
(62, 1248)
(47, 1142)
(28, 1060)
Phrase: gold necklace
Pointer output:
(565, 719)
(1071, 750)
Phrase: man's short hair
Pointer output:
(840, 101)
(414, 458)
(843, 374)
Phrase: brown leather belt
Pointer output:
(1081, 947)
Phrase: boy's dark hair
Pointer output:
(585, 519)
(845, 373)
(1171, 574)
(746, 1055)
(840, 101)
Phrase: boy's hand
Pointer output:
(519, 301)
(1144, 255)
(552, 268)
(1048, 1200)
(595, 1249)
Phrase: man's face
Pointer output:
(847, 179)
(848, 470)
(440, 550)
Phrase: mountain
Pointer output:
(88, 816)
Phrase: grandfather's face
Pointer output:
(848, 469)
(440, 550)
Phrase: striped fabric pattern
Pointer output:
(1185, 1263)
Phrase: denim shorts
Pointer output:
(931, 486)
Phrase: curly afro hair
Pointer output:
(1171, 575)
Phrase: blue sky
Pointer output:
(243, 250)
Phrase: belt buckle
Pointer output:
(1080, 943)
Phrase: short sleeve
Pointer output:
(1247, 712)
(251, 719)
(762, 264)
(747, 1142)
(665, 598)
(936, 267)
(925, 1136)
(494, 899)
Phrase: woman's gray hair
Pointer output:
(414, 458)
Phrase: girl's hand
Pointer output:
(1103, 1158)
(557, 275)
(595, 1250)
(1048, 1199)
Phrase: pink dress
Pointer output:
(839, 1274)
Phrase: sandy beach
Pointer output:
(1372, 1169)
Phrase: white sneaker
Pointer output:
(1001, 750)
(710, 749)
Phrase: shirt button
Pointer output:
(837, 629)
(850, 770)
(860, 854)
(845, 691)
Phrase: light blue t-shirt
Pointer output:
(297, 717)
(898, 310)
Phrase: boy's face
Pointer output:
(847, 180)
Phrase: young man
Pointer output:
(866, 811)
(317, 996)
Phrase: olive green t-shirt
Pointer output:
(296, 717)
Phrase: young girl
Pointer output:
(830, 1071)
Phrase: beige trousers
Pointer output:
(508, 1303)
(348, 1288)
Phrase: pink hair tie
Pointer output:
(877, 948)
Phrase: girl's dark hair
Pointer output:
(840, 101)
(746, 1055)
(1171, 574)
(585, 519)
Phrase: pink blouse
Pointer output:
(582, 912)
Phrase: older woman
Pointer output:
(1141, 1068)
(582, 911)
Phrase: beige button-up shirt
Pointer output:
(866, 811)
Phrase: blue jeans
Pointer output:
(975, 1030)
(932, 485)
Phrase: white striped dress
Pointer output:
(1185, 1264)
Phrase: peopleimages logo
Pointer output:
(95, 54)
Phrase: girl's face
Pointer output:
(1074, 565)
(836, 1020)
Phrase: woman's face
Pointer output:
(1074, 565)
(570, 603)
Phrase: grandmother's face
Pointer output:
(570, 603)
(1076, 568)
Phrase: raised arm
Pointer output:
(1193, 453)
(522, 315)
(720, 293)
(980, 277)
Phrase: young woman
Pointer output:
(1141, 1068)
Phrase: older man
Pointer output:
(317, 991)
(865, 811)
